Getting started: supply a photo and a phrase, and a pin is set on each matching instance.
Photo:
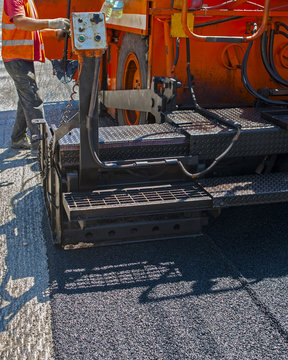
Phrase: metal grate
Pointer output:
(79, 204)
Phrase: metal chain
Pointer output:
(65, 118)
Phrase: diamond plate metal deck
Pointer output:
(187, 133)
(128, 142)
(208, 138)
(131, 201)
(247, 190)
(153, 134)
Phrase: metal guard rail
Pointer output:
(231, 39)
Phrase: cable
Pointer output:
(274, 74)
(228, 3)
(207, 114)
(271, 57)
(218, 21)
(283, 24)
(215, 162)
(247, 84)
(93, 118)
(283, 33)
(176, 55)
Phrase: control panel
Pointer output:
(88, 31)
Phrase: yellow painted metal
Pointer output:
(176, 25)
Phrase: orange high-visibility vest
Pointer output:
(18, 44)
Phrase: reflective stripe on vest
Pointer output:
(8, 26)
(17, 42)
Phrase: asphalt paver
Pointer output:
(219, 296)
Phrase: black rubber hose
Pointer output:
(93, 118)
(283, 33)
(283, 25)
(264, 55)
(177, 52)
(93, 128)
(195, 105)
(271, 57)
(210, 115)
(218, 21)
(247, 84)
(189, 76)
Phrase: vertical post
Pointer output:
(87, 167)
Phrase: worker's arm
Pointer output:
(29, 24)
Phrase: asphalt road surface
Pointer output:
(220, 296)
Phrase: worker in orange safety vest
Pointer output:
(22, 44)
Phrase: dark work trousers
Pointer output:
(29, 103)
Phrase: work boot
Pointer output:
(23, 143)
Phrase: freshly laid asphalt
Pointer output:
(220, 296)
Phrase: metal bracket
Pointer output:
(161, 98)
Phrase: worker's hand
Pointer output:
(61, 34)
(60, 23)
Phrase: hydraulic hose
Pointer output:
(208, 114)
(93, 119)
(272, 72)
(92, 122)
(176, 55)
(217, 21)
(247, 84)
(271, 57)
(283, 33)
(283, 24)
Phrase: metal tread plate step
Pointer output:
(185, 133)
(247, 190)
(208, 138)
(128, 142)
(136, 201)
(117, 136)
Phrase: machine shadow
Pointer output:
(24, 275)
(177, 269)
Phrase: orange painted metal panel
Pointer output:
(215, 66)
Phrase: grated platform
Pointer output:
(129, 201)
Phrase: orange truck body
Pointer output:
(216, 66)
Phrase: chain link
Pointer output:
(66, 115)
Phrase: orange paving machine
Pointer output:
(197, 93)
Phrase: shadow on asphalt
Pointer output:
(24, 241)
(253, 240)
(13, 158)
